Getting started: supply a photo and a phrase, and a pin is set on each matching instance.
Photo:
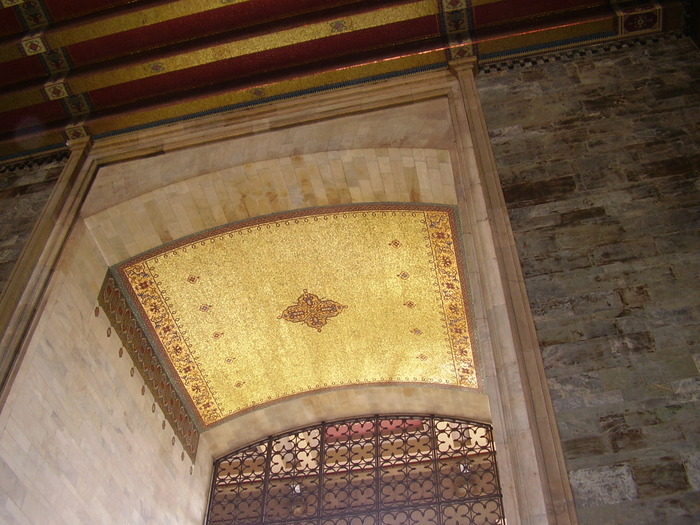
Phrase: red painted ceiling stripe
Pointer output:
(227, 20)
(519, 27)
(511, 10)
(21, 69)
(240, 67)
(61, 10)
(26, 117)
(9, 23)
(191, 27)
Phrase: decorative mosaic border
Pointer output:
(457, 24)
(455, 305)
(139, 282)
(574, 54)
(126, 325)
(448, 255)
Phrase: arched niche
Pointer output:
(445, 114)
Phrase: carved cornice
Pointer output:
(54, 158)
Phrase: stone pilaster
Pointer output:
(22, 297)
(522, 410)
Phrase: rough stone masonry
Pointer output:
(599, 157)
(24, 190)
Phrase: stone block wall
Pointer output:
(24, 190)
(599, 157)
(81, 438)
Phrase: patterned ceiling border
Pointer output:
(457, 26)
(127, 327)
(143, 341)
(577, 53)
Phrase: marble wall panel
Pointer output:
(80, 441)
(269, 186)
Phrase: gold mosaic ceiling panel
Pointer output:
(281, 305)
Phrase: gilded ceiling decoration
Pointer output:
(281, 305)
(96, 68)
(312, 311)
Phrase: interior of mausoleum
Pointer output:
(341, 262)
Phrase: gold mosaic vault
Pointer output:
(218, 305)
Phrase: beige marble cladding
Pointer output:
(260, 188)
(79, 443)
(345, 403)
(269, 135)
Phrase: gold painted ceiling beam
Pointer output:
(80, 31)
(75, 33)
(255, 44)
(89, 81)
(253, 94)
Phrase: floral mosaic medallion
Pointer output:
(312, 311)
(377, 280)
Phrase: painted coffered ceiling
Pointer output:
(102, 67)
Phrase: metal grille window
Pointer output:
(383, 470)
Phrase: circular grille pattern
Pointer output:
(381, 470)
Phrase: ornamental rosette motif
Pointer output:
(420, 286)
(312, 311)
